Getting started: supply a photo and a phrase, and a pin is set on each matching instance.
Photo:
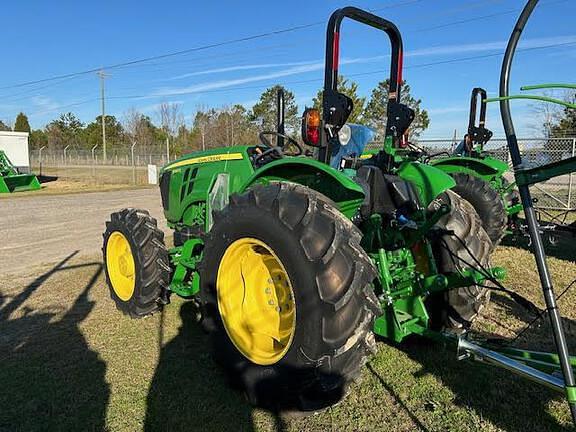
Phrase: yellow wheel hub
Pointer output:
(256, 301)
(120, 265)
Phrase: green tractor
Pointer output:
(480, 177)
(297, 265)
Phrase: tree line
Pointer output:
(238, 125)
(209, 127)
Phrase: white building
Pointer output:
(15, 145)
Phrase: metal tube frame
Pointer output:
(533, 227)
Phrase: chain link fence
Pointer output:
(554, 194)
(122, 166)
(128, 166)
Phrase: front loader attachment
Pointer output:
(12, 181)
(19, 183)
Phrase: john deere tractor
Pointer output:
(480, 177)
(295, 264)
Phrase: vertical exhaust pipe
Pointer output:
(280, 116)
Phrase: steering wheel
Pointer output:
(289, 141)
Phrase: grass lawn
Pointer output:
(70, 361)
(99, 174)
(79, 179)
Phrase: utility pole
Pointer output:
(103, 76)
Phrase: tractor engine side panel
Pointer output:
(186, 183)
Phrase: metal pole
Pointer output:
(531, 220)
(168, 149)
(571, 176)
(65, 160)
(133, 166)
(280, 117)
(479, 353)
(40, 157)
(94, 161)
(103, 76)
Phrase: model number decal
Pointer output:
(207, 159)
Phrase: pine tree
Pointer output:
(264, 112)
(375, 112)
(21, 124)
(4, 126)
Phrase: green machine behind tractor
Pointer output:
(480, 177)
(296, 265)
(12, 181)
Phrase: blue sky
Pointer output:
(45, 39)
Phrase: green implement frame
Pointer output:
(556, 371)
(12, 181)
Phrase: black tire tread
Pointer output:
(456, 309)
(151, 259)
(486, 201)
(345, 299)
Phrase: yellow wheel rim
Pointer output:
(120, 265)
(256, 301)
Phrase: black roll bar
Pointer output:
(333, 56)
(333, 47)
(478, 133)
(474, 105)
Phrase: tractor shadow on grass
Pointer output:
(563, 250)
(51, 379)
(189, 391)
(506, 400)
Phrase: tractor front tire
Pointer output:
(136, 262)
(287, 297)
(464, 243)
(486, 201)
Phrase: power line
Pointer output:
(479, 18)
(415, 66)
(144, 61)
(195, 49)
(59, 107)
(360, 74)
(448, 61)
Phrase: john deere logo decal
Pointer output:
(207, 159)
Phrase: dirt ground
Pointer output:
(45, 229)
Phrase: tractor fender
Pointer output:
(429, 181)
(316, 175)
(486, 168)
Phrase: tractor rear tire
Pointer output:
(456, 309)
(486, 201)
(333, 299)
(137, 263)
